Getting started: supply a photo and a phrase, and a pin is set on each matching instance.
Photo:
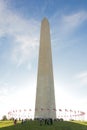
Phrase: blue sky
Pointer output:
(20, 22)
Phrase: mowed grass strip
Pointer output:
(35, 125)
(6, 123)
(81, 122)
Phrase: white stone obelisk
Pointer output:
(45, 95)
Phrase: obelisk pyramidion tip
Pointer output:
(45, 20)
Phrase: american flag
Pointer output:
(66, 110)
(60, 109)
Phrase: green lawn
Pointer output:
(34, 125)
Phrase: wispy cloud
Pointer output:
(82, 77)
(64, 26)
(24, 33)
(72, 21)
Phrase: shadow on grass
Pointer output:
(66, 125)
(34, 125)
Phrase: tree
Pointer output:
(4, 118)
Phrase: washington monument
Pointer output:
(45, 96)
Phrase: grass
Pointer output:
(5, 123)
(34, 125)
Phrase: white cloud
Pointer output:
(23, 33)
(65, 24)
(25, 50)
(82, 77)
(74, 20)
(70, 23)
